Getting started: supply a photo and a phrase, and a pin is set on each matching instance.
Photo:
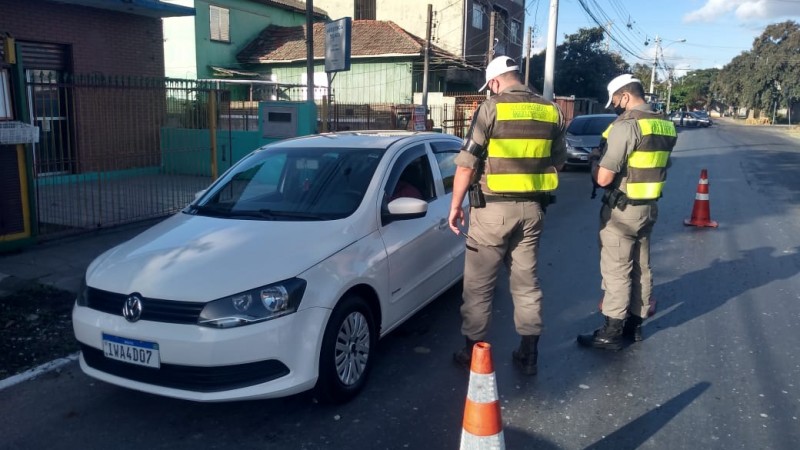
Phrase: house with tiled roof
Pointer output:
(386, 63)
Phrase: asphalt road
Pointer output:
(719, 367)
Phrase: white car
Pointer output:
(282, 275)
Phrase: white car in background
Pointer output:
(281, 276)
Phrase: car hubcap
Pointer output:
(352, 348)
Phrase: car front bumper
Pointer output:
(271, 359)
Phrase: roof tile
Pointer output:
(369, 38)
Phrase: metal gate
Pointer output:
(111, 151)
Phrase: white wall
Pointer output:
(179, 44)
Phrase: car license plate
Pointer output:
(132, 351)
(583, 157)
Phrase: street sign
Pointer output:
(337, 45)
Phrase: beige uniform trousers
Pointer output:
(625, 259)
(505, 232)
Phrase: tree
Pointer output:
(693, 91)
(767, 74)
(583, 67)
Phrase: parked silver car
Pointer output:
(689, 119)
(583, 135)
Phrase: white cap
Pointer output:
(497, 67)
(617, 83)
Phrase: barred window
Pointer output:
(477, 16)
(5, 96)
(220, 25)
(364, 10)
(514, 31)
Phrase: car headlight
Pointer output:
(83, 294)
(256, 305)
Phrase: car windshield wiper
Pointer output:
(272, 214)
(210, 210)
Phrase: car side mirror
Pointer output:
(404, 208)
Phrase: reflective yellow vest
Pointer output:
(647, 163)
(518, 159)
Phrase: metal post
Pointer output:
(310, 51)
(655, 63)
(528, 56)
(550, 59)
(490, 51)
(212, 129)
(427, 58)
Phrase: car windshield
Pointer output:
(589, 126)
(292, 184)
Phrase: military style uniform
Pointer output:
(521, 138)
(639, 143)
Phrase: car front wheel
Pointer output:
(346, 354)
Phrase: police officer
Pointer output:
(508, 164)
(632, 170)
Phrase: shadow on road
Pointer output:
(719, 282)
(640, 430)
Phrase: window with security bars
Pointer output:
(5, 96)
(220, 23)
(364, 10)
(514, 32)
(477, 16)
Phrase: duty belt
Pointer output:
(544, 198)
(618, 199)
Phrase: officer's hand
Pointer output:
(456, 218)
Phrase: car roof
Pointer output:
(359, 139)
(593, 116)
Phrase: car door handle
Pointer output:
(443, 224)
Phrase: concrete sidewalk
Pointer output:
(62, 263)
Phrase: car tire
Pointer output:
(347, 350)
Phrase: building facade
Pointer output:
(461, 27)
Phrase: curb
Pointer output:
(36, 371)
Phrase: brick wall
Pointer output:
(107, 42)
(109, 129)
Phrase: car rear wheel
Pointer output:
(346, 354)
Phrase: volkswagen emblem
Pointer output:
(132, 310)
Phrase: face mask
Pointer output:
(618, 109)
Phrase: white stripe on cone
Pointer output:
(699, 196)
(482, 388)
(471, 442)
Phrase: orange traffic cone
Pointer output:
(483, 427)
(701, 216)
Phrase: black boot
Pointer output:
(463, 357)
(632, 330)
(527, 353)
(608, 337)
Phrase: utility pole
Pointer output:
(550, 59)
(490, 52)
(669, 88)
(528, 56)
(427, 59)
(310, 51)
(655, 63)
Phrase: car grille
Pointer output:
(189, 378)
(154, 310)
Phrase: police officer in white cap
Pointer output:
(632, 169)
(508, 164)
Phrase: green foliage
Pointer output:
(768, 72)
(693, 91)
(583, 68)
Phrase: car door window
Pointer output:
(445, 153)
(411, 176)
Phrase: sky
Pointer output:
(715, 31)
